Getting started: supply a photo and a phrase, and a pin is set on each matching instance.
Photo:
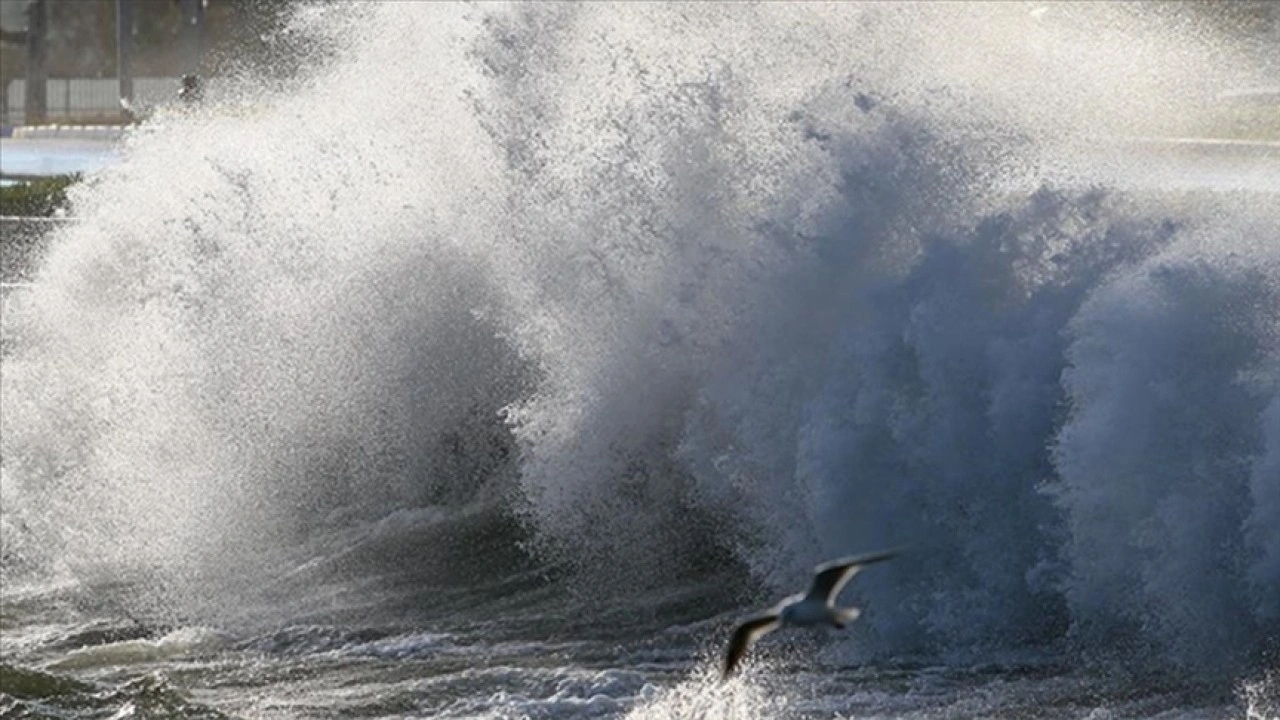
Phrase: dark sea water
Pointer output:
(499, 363)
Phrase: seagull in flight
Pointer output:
(817, 607)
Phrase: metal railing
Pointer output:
(80, 100)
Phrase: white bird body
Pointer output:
(802, 611)
(814, 608)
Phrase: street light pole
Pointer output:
(192, 35)
(36, 97)
(124, 51)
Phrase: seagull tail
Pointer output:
(844, 616)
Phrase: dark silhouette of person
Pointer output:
(191, 91)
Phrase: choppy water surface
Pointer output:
(495, 366)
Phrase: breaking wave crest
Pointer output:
(677, 290)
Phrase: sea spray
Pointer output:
(681, 290)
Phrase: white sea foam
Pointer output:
(181, 643)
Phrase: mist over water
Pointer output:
(679, 288)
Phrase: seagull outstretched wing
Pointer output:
(829, 578)
(746, 634)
